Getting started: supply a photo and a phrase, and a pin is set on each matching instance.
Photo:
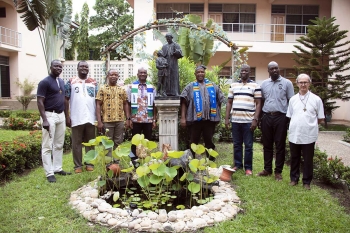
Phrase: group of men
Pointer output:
(79, 104)
(274, 105)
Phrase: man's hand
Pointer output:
(183, 122)
(227, 123)
(253, 125)
(68, 122)
(46, 125)
(100, 126)
(154, 125)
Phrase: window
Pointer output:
(4, 77)
(296, 15)
(2, 12)
(178, 10)
(226, 73)
(236, 17)
(289, 73)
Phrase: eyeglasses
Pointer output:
(303, 83)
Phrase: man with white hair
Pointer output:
(305, 111)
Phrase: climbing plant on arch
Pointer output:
(213, 30)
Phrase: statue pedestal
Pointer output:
(168, 108)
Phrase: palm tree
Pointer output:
(34, 12)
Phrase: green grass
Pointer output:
(31, 204)
(9, 135)
(334, 127)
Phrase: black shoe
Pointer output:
(63, 173)
(51, 179)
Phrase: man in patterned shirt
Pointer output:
(243, 108)
(112, 102)
(80, 111)
(141, 99)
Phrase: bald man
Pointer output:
(276, 92)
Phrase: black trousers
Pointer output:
(141, 128)
(202, 128)
(274, 131)
(307, 151)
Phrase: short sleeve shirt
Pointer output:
(276, 94)
(243, 104)
(52, 89)
(303, 126)
(112, 98)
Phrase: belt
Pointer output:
(274, 113)
(54, 111)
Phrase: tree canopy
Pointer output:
(324, 55)
(112, 20)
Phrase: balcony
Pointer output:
(10, 40)
(281, 33)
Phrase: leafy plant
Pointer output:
(347, 135)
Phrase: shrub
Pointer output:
(347, 135)
(5, 113)
(29, 115)
(19, 123)
(24, 152)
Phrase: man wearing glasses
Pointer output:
(305, 111)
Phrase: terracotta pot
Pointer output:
(226, 174)
(115, 168)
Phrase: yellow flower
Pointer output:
(199, 28)
(155, 22)
(211, 31)
(230, 44)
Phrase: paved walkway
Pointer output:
(331, 142)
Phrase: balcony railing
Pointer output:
(283, 33)
(10, 37)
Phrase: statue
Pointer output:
(162, 66)
(172, 52)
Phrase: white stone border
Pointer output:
(223, 207)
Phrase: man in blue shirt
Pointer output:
(50, 99)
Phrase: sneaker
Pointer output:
(307, 186)
(78, 170)
(248, 172)
(89, 168)
(293, 183)
(51, 179)
(278, 176)
(264, 173)
(63, 173)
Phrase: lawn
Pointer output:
(9, 135)
(30, 204)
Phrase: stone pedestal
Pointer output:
(168, 108)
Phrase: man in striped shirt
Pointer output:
(242, 110)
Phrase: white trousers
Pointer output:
(52, 143)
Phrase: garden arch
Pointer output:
(178, 22)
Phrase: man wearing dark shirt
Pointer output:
(50, 99)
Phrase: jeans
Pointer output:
(52, 143)
(241, 133)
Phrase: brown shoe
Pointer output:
(293, 183)
(307, 186)
(263, 173)
(78, 170)
(89, 169)
(278, 176)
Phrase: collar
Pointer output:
(248, 81)
(279, 79)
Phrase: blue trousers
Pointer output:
(241, 133)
